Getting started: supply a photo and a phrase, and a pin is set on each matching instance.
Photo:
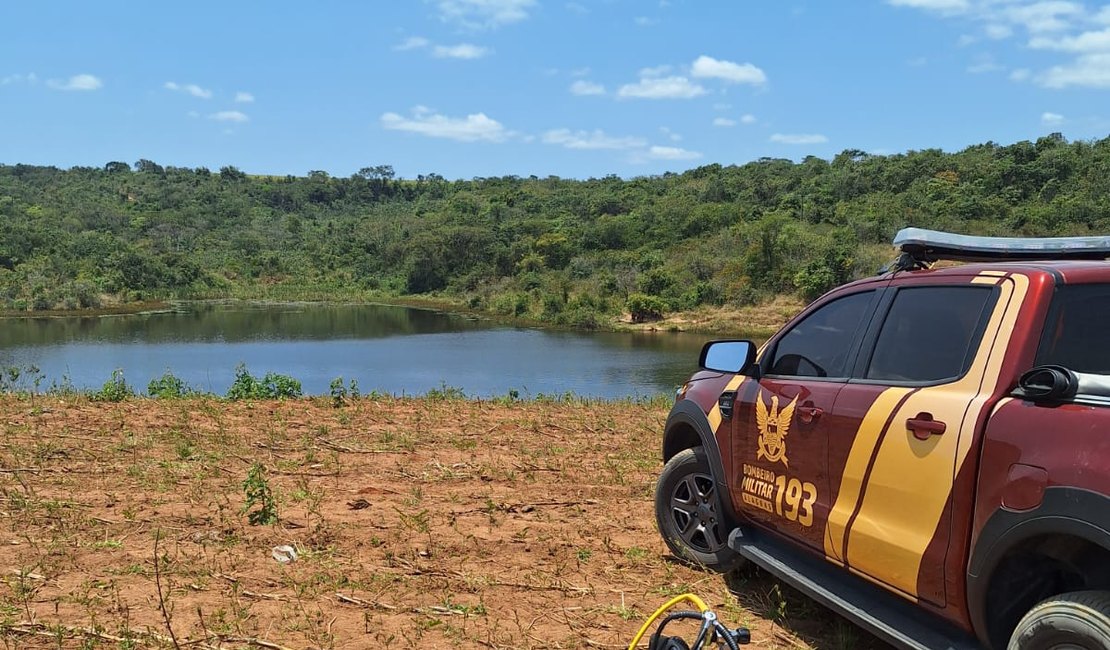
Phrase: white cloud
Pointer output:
(577, 8)
(723, 121)
(747, 118)
(412, 43)
(484, 14)
(591, 140)
(460, 51)
(662, 88)
(656, 152)
(581, 87)
(1097, 41)
(30, 78)
(943, 6)
(984, 67)
(243, 97)
(1050, 25)
(580, 72)
(799, 138)
(644, 21)
(657, 71)
(188, 89)
(1051, 119)
(1047, 16)
(671, 135)
(1089, 70)
(472, 128)
(229, 116)
(745, 73)
(998, 32)
(77, 82)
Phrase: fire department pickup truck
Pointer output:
(926, 451)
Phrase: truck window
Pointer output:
(819, 345)
(1075, 334)
(930, 333)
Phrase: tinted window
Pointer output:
(819, 345)
(930, 333)
(1075, 334)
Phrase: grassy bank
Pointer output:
(417, 523)
(753, 321)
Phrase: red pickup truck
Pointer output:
(926, 451)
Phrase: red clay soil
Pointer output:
(417, 523)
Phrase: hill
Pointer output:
(570, 252)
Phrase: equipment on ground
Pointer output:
(712, 631)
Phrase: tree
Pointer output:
(148, 166)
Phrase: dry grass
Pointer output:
(418, 523)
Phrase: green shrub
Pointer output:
(271, 386)
(168, 386)
(645, 308)
(446, 393)
(113, 390)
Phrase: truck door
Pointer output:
(782, 422)
(923, 379)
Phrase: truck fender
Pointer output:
(687, 427)
(1064, 511)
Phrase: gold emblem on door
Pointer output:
(773, 427)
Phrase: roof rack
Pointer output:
(919, 248)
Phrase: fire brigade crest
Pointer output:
(773, 427)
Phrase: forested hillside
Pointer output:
(565, 251)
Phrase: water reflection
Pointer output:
(385, 348)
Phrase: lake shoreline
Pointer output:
(757, 322)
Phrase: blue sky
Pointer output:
(576, 88)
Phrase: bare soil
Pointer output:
(416, 522)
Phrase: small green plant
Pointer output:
(260, 506)
(446, 393)
(168, 386)
(340, 392)
(271, 386)
(115, 389)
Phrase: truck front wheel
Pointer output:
(689, 514)
(1076, 620)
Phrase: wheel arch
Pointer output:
(688, 427)
(1021, 558)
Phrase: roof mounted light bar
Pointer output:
(923, 247)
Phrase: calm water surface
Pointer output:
(389, 349)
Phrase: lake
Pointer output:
(389, 349)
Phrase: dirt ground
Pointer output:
(417, 523)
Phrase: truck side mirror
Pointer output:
(728, 356)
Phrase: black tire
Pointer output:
(1080, 619)
(689, 514)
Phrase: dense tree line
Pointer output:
(567, 251)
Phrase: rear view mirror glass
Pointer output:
(727, 356)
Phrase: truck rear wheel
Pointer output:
(1076, 620)
(689, 514)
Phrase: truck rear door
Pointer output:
(923, 379)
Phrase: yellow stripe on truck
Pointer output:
(851, 482)
(911, 479)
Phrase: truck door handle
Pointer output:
(807, 413)
(924, 426)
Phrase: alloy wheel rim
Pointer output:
(694, 513)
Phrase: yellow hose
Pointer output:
(694, 600)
